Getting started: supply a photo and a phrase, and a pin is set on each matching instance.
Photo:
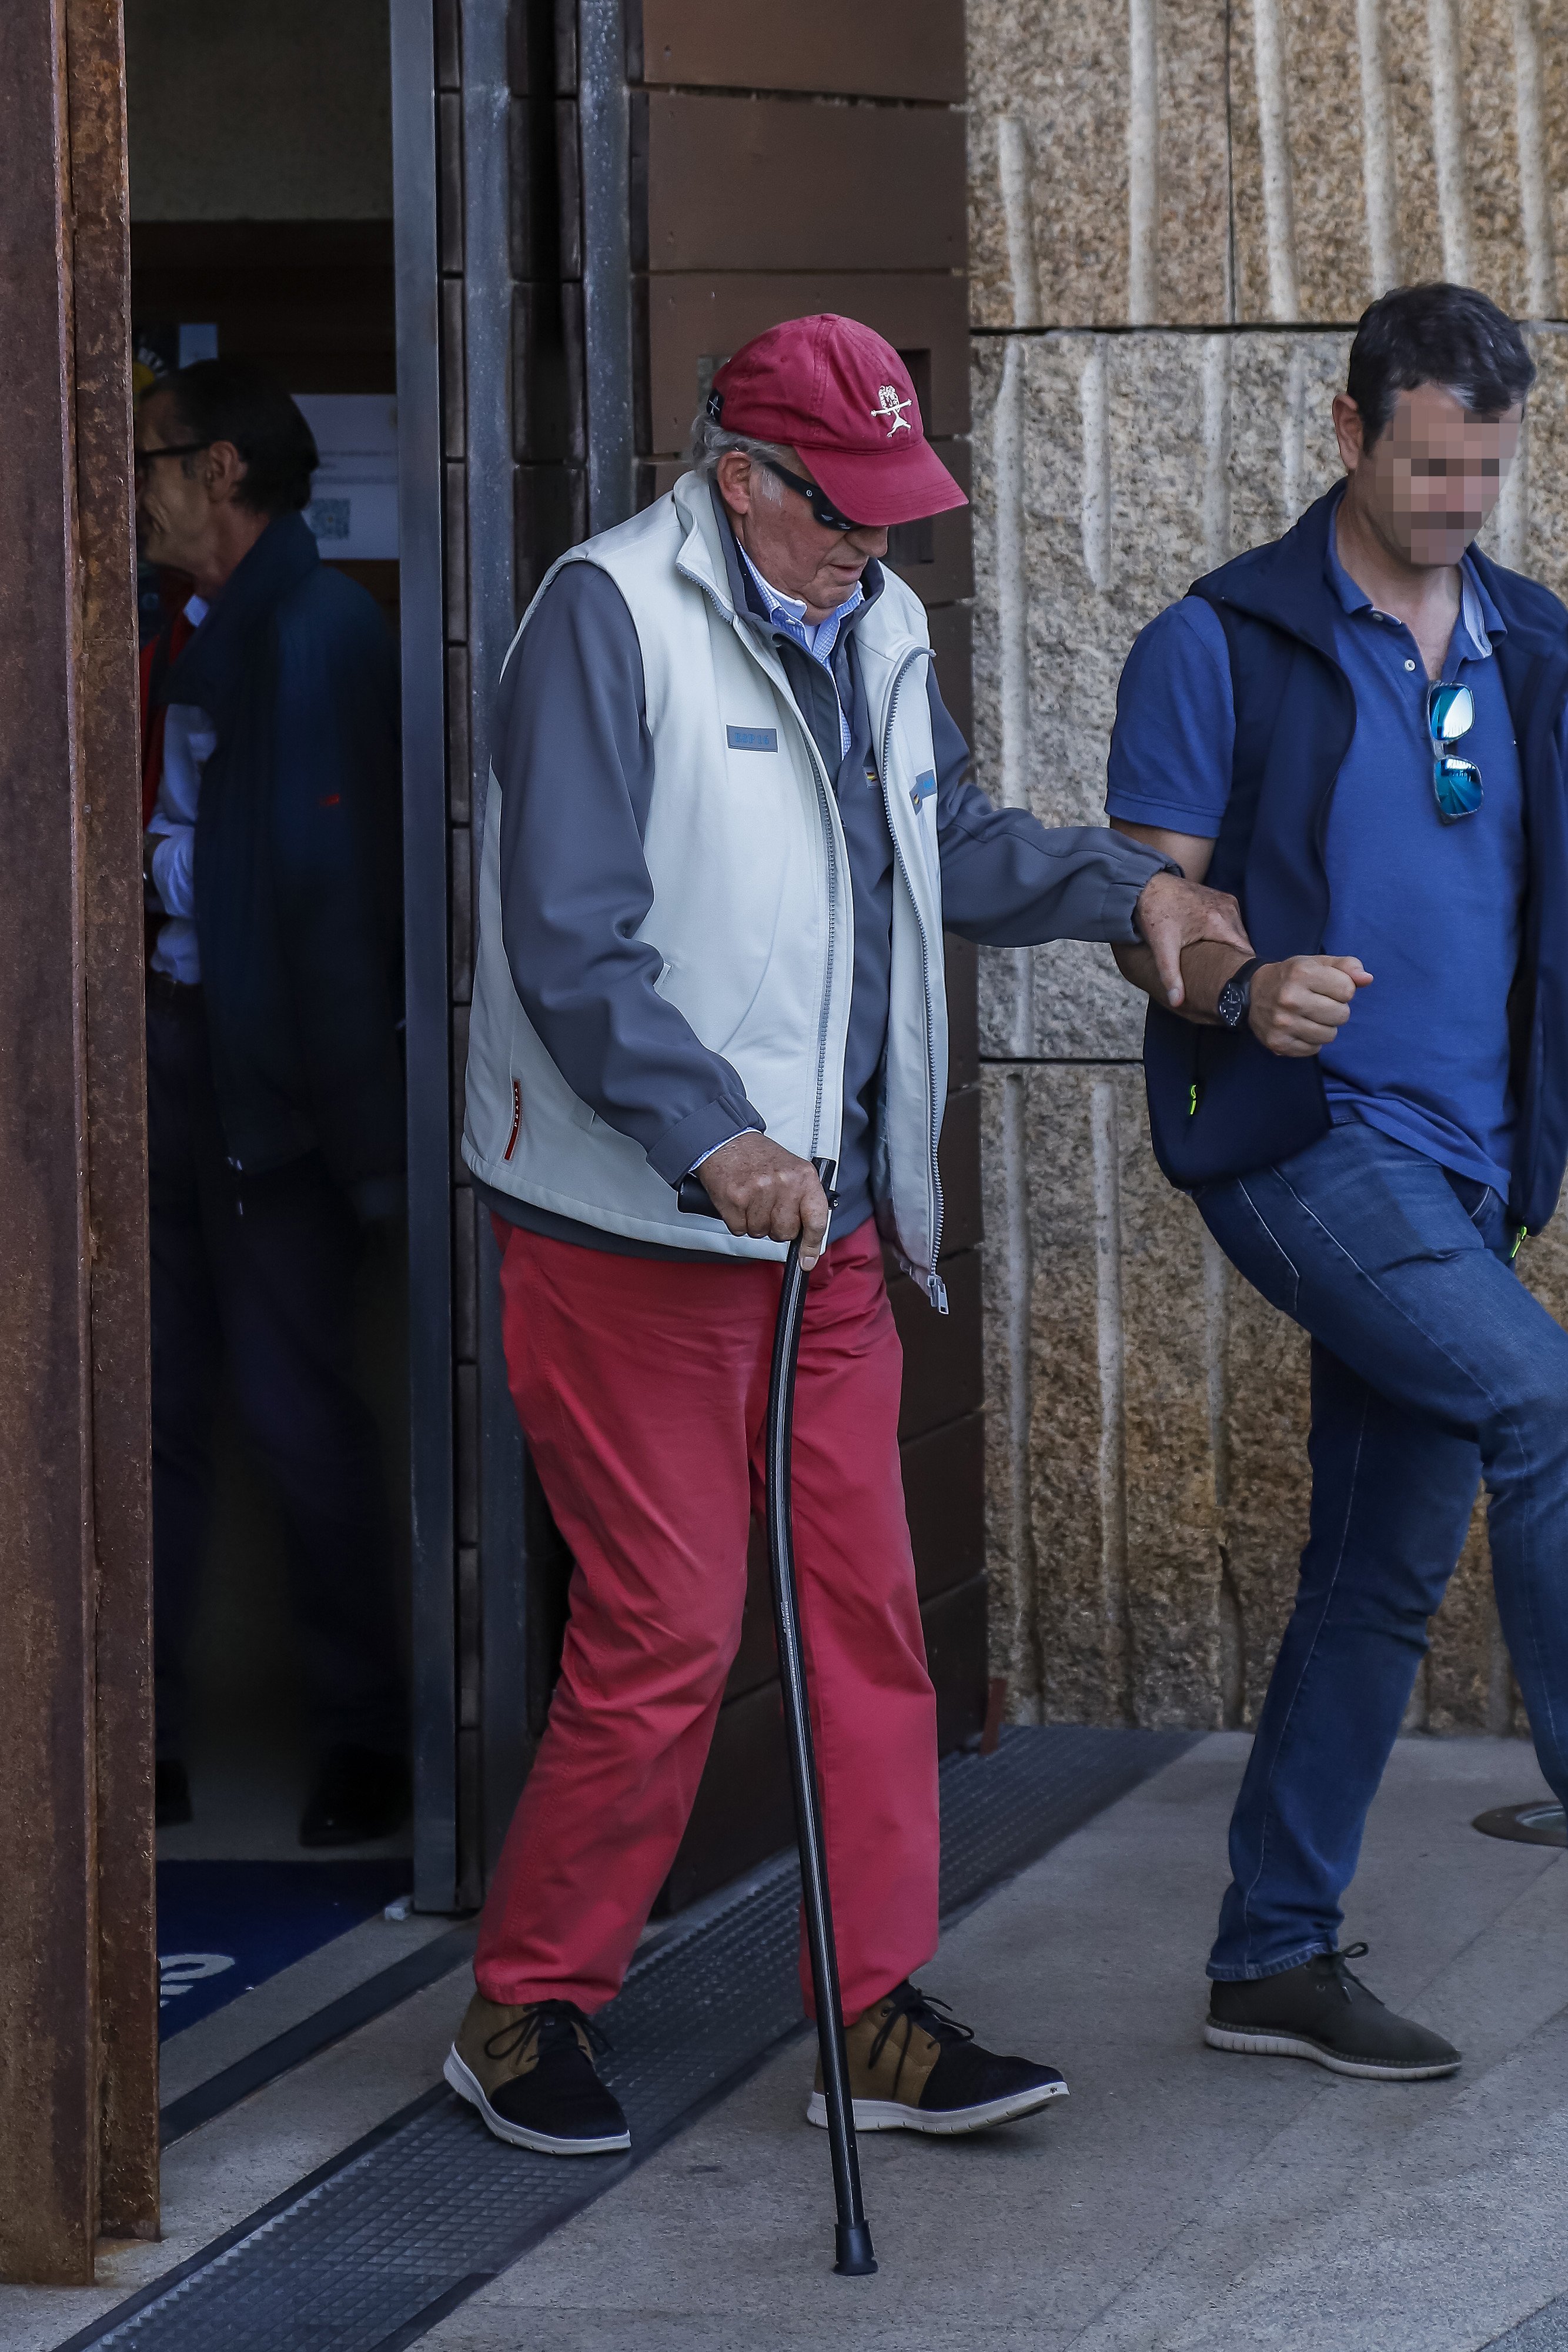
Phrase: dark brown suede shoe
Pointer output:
(1319, 2010)
(531, 2073)
(913, 2068)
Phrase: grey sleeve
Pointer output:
(1009, 881)
(575, 764)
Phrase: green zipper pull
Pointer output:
(1519, 1241)
(1192, 1100)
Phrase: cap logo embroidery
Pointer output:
(892, 408)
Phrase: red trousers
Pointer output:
(642, 1387)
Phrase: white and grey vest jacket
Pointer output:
(751, 914)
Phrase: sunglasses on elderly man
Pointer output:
(821, 506)
(1451, 714)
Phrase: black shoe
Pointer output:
(531, 2073)
(1322, 2011)
(362, 1795)
(913, 2068)
(173, 1798)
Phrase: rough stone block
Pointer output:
(1054, 1499)
(1179, 163)
(1104, 1562)
(1349, 145)
(1469, 1682)
(1098, 174)
(1110, 472)
(1262, 1477)
(1376, 143)
(1147, 1428)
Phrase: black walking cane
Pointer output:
(852, 2234)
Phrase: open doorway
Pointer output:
(261, 182)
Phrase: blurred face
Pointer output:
(1433, 476)
(794, 552)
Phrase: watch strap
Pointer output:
(1242, 980)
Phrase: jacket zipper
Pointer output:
(829, 849)
(831, 854)
(935, 1288)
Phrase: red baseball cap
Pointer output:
(836, 391)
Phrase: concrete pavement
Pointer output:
(1181, 2200)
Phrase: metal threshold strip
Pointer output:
(370, 2253)
(340, 2018)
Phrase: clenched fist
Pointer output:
(1300, 1006)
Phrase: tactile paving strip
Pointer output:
(368, 2254)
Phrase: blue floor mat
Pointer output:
(225, 1927)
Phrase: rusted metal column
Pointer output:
(110, 753)
(78, 2008)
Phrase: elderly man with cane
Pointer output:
(729, 818)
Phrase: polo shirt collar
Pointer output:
(208, 670)
(1479, 617)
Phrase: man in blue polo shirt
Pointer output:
(1360, 730)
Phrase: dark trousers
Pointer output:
(258, 1274)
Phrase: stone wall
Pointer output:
(1179, 210)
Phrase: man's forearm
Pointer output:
(1205, 966)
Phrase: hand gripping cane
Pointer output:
(852, 2234)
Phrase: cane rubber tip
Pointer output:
(854, 2244)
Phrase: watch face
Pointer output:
(1231, 1004)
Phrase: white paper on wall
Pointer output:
(353, 513)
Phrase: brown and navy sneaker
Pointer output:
(914, 2068)
(1322, 2011)
(531, 2073)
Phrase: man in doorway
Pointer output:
(1360, 730)
(275, 1078)
(729, 817)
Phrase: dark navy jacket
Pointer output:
(298, 896)
(1219, 1103)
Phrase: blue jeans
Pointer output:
(1432, 1366)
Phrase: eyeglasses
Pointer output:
(144, 457)
(1450, 713)
(821, 506)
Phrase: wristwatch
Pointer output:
(1234, 999)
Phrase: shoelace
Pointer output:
(555, 2020)
(932, 2016)
(1333, 1964)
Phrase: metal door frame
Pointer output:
(426, 947)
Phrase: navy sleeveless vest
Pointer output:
(1219, 1103)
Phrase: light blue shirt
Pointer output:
(190, 740)
(817, 637)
